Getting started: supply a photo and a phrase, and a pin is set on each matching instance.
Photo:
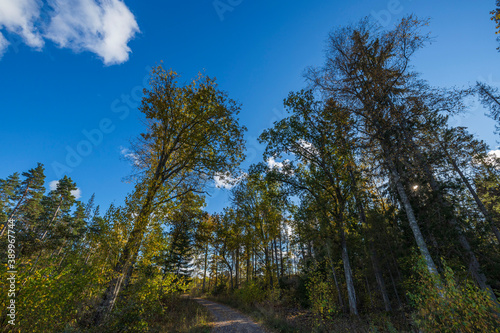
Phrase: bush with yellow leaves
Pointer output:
(448, 305)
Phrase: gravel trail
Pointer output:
(228, 320)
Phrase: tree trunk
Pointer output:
(379, 277)
(51, 220)
(373, 254)
(268, 269)
(14, 211)
(216, 271)
(276, 259)
(419, 238)
(254, 264)
(332, 266)
(282, 270)
(123, 265)
(249, 255)
(368, 288)
(205, 268)
(478, 201)
(237, 268)
(351, 292)
(395, 289)
(474, 265)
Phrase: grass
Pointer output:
(175, 315)
(186, 315)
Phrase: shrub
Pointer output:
(49, 300)
(250, 293)
(143, 304)
(447, 305)
(321, 296)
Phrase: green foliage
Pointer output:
(370, 166)
(153, 304)
(489, 96)
(495, 16)
(449, 305)
(322, 296)
(48, 300)
(147, 299)
(250, 293)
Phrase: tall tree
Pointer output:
(9, 195)
(495, 16)
(314, 133)
(192, 134)
(367, 72)
(490, 98)
(27, 196)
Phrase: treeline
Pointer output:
(378, 205)
(378, 209)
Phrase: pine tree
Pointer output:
(490, 98)
(9, 196)
(179, 254)
(26, 198)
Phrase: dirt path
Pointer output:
(228, 320)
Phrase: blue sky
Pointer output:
(75, 73)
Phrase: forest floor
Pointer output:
(228, 320)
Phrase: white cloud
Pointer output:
(494, 153)
(224, 180)
(493, 158)
(271, 163)
(53, 185)
(3, 45)
(76, 193)
(20, 17)
(103, 27)
(308, 146)
(129, 156)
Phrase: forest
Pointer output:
(368, 211)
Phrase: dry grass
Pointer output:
(186, 316)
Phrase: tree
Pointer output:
(495, 16)
(27, 195)
(263, 205)
(490, 98)
(51, 226)
(184, 221)
(9, 193)
(367, 73)
(316, 134)
(192, 134)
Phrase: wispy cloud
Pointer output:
(76, 193)
(282, 167)
(3, 45)
(308, 147)
(128, 155)
(494, 153)
(271, 163)
(224, 180)
(103, 27)
(20, 17)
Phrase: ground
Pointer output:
(228, 320)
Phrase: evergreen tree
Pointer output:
(179, 254)
(490, 98)
(9, 196)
